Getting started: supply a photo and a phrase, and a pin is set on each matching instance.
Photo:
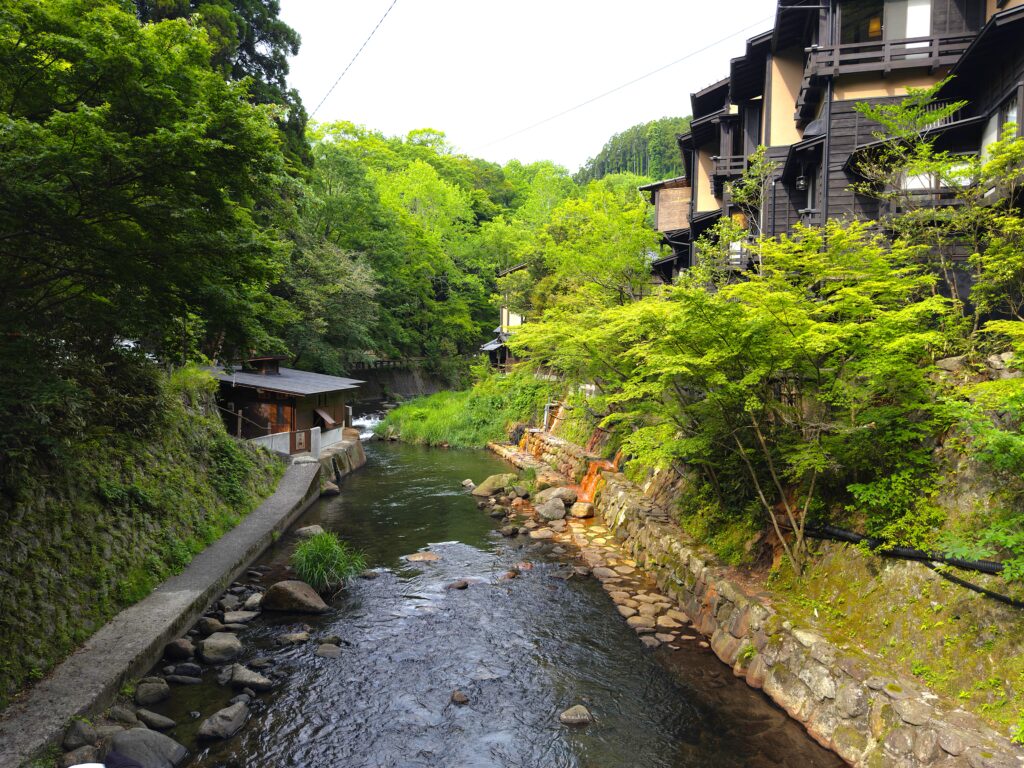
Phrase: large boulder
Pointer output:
(566, 495)
(495, 484)
(552, 509)
(292, 597)
(149, 748)
(220, 648)
(224, 723)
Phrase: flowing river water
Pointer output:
(522, 650)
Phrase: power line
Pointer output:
(626, 85)
(367, 40)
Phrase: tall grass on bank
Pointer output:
(325, 562)
(474, 417)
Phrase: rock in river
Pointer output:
(576, 715)
(309, 531)
(149, 748)
(179, 650)
(220, 647)
(294, 597)
(495, 484)
(152, 690)
(328, 650)
(80, 734)
(224, 723)
(154, 720)
(243, 677)
(552, 509)
(423, 557)
(566, 495)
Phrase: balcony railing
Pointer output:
(729, 165)
(886, 55)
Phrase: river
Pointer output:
(522, 650)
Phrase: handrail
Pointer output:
(887, 54)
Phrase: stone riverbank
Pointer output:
(849, 702)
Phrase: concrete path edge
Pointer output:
(88, 681)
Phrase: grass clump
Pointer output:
(325, 562)
(474, 417)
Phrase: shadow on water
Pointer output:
(522, 650)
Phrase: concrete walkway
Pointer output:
(127, 646)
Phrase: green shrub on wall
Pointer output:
(120, 513)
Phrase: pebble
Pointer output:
(460, 584)
(645, 622)
(665, 622)
(625, 611)
(650, 642)
(458, 697)
(293, 639)
(648, 610)
(664, 637)
(542, 533)
(328, 651)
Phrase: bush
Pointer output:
(475, 417)
(325, 562)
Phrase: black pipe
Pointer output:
(905, 553)
(830, 532)
(976, 588)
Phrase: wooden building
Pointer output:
(794, 90)
(262, 398)
(497, 350)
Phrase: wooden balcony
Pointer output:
(729, 166)
(886, 55)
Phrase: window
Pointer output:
(877, 20)
(1008, 112)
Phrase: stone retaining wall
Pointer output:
(849, 702)
(567, 458)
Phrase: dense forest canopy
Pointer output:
(647, 149)
(163, 199)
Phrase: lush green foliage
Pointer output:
(648, 149)
(806, 375)
(474, 417)
(325, 562)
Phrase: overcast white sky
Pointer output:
(480, 70)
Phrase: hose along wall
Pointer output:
(831, 533)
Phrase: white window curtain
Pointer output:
(907, 18)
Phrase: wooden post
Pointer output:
(239, 414)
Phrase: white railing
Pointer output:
(279, 442)
(330, 437)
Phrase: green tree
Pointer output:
(647, 149)
(138, 190)
(250, 42)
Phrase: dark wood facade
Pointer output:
(795, 91)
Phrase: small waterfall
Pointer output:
(366, 423)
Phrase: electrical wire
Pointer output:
(627, 84)
(353, 61)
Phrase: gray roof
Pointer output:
(289, 380)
